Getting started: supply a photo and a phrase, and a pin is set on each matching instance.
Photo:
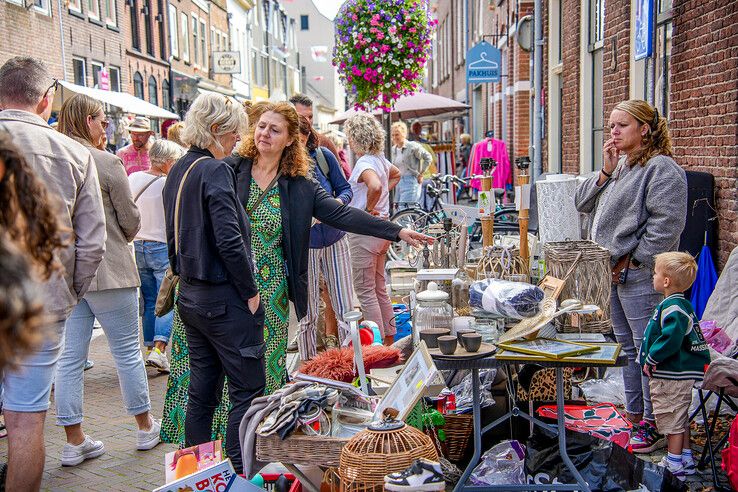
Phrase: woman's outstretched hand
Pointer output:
(414, 238)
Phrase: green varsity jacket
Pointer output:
(673, 341)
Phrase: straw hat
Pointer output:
(141, 124)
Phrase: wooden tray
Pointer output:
(485, 350)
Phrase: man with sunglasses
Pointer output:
(67, 169)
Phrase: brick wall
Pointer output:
(571, 83)
(148, 64)
(19, 26)
(616, 55)
(704, 102)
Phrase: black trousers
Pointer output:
(223, 336)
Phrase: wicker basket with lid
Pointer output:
(385, 447)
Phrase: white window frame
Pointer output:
(84, 69)
(173, 30)
(94, 64)
(112, 69)
(203, 44)
(184, 24)
(92, 13)
(44, 8)
(111, 8)
(196, 40)
(74, 6)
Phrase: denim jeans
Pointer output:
(152, 259)
(407, 190)
(632, 305)
(117, 311)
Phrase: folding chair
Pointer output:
(725, 388)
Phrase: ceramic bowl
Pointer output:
(447, 344)
(471, 341)
(430, 336)
(461, 332)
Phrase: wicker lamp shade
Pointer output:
(371, 454)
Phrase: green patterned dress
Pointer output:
(271, 279)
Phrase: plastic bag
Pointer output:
(730, 456)
(610, 389)
(503, 464)
(463, 390)
(715, 336)
(515, 300)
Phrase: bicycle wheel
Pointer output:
(414, 219)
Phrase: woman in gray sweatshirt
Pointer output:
(639, 206)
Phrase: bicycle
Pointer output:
(416, 218)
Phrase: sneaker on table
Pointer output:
(421, 475)
(646, 439)
(158, 359)
(146, 440)
(676, 470)
(74, 455)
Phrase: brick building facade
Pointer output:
(589, 66)
(18, 17)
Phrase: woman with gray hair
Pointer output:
(210, 249)
(152, 257)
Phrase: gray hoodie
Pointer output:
(643, 212)
(67, 170)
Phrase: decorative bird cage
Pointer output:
(385, 447)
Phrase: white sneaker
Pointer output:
(676, 470)
(74, 455)
(421, 475)
(158, 359)
(146, 440)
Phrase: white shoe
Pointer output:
(676, 470)
(158, 359)
(74, 455)
(421, 475)
(146, 440)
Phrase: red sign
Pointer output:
(104, 80)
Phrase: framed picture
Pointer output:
(643, 46)
(605, 353)
(406, 390)
(547, 347)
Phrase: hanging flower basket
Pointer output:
(381, 49)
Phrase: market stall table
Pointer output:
(491, 362)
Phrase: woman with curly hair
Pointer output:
(28, 220)
(638, 203)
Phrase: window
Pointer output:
(138, 85)
(80, 75)
(114, 78)
(165, 94)
(662, 52)
(184, 37)
(173, 31)
(595, 47)
(203, 45)
(195, 40)
(41, 6)
(110, 13)
(304, 23)
(148, 27)
(135, 36)
(93, 9)
(96, 69)
(153, 91)
(75, 5)
(160, 16)
(213, 38)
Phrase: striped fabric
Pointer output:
(334, 263)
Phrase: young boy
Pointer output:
(674, 355)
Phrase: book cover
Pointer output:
(185, 462)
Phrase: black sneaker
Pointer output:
(421, 475)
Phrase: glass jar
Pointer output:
(432, 310)
(460, 290)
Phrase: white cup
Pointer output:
(461, 323)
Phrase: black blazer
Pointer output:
(215, 237)
(301, 200)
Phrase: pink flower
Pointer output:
(412, 29)
(393, 30)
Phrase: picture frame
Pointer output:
(406, 390)
(606, 354)
(550, 348)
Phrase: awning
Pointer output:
(128, 103)
(205, 91)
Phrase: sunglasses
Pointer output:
(54, 85)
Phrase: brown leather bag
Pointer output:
(620, 270)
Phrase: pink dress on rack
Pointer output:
(496, 149)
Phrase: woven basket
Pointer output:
(458, 430)
(585, 266)
(499, 262)
(372, 454)
(300, 449)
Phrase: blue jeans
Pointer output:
(632, 304)
(152, 258)
(117, 311)
(407, 190)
